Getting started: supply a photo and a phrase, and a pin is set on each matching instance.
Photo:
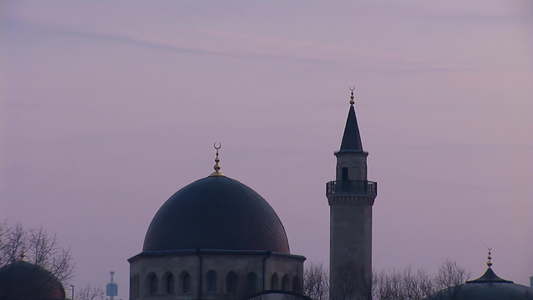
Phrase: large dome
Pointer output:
(24, 280)
(216, 212)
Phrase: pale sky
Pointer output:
(108, 108)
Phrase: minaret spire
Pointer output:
(351, 140)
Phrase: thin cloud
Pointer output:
(373, 61)
(52, 30)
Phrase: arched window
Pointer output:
(251, 283)
(296, 286)
(285, 283)
(153, 284)
(211, 282)
(185, 283)
(274, 282)
(170, 284)
(231, 283)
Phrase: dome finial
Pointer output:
(217, 160)
(489, 263)
(352, 88)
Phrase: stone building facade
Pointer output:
(213, 274)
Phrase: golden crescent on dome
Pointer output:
(217, 160)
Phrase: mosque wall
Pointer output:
(216, 275)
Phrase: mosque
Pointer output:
(218, 239)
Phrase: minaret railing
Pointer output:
(361, 187)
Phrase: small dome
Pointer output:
(487, 287)
(24, 280)
(216, 212)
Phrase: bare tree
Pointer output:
(449, 275)
(410, 285)
(351, 284)
(404, 285)
(12, 243)
(35, 246)
(91, 292)
(316, 282)
(392, 285)
(449, 278)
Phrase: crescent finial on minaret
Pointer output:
(217, 160)
(489, 263)
(352, 101)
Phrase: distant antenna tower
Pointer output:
(111, 289)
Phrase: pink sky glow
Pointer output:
(108, 108)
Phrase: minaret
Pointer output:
(350, 198)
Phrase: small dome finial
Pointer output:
(352, 88)
(217, 160)
(489, 263)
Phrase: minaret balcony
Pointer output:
(359, 187)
